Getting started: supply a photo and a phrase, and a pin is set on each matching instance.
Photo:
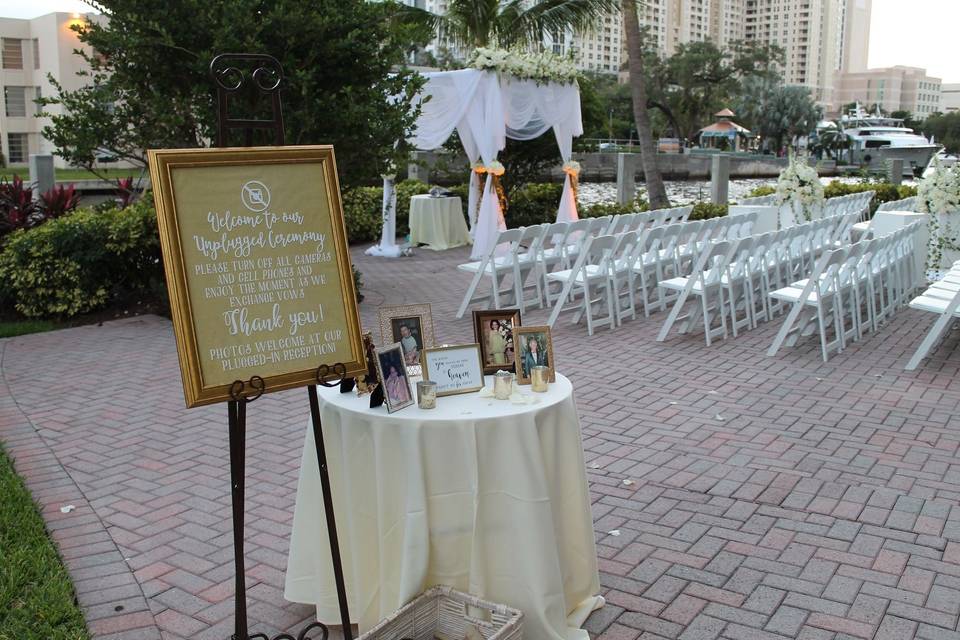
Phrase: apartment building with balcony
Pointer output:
(30, 52)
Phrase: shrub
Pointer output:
(534, 203)
(84, 261)
(363, 208)
(762, 190)
(361, 213)
(705, 210)
(883, 191)
(58, 201)
(17, 207)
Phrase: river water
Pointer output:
(685, 191)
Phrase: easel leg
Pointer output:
(328, 511)
(237, 413)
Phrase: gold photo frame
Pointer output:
(527, 358)
(455, 368)
(258, 267)
(411, 325)
(496, 351)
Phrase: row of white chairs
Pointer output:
(540, 249)
(858, 203)
(850, 291)
(737, 276)
(941, 298)
(906, 204)
(612, 269)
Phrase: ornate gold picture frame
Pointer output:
(257, 266)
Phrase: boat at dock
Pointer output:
(875, 139)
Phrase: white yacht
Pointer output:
(874, 139)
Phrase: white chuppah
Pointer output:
(485, 108)
(486, 496)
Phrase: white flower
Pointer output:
(541, 67)
(940, 191)
(799, 184)
(572, 167)
(495, 168)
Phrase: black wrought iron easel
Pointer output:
(228, 74)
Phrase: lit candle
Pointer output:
(538, 378)
(502, 385)
(427, 394)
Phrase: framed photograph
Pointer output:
(258, 267)
(412, 326)
(393, 376)
(455, 369)
(534, 348)
(493, 331)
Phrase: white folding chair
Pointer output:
(589, 275)
(949, 310)
(705, 283)
(819, 291)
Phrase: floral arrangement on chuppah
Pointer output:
(572, 169)
(938, 195)
(542, 67)
(496, 170)
(799, 187)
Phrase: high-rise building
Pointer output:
(855, 32)
(808, 31)
(30, 50)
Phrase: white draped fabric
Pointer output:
(388, 247)
(485, 109)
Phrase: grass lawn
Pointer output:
(11, 328)
(66, 175)
(36, 595)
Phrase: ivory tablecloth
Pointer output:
(437, 222)
(483, 495)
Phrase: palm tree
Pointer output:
(511, 23)
(656, 192)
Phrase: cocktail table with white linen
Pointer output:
(483, 495)
(438, 222)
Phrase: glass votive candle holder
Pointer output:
(539, 378)
(427, 394)
(502, 385)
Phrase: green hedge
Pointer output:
(82, 262)
(883, 191)
(362, 208)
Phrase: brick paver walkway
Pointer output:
(735, 496)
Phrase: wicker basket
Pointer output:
(445, 614)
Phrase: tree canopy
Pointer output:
(149, 85)
(700, 79)
(510, 23)
(777, 112)
(945, 128)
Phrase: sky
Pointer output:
(917, 33)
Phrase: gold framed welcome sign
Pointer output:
(257, 265)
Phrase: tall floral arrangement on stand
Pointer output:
(799, 187)
(938, 195)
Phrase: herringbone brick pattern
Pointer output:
(735, 496)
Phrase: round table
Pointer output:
(437, 222)
(480, 494)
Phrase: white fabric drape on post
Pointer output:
(485, 109)
(532, 109)
(388, 247)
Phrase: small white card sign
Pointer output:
(455, 369)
